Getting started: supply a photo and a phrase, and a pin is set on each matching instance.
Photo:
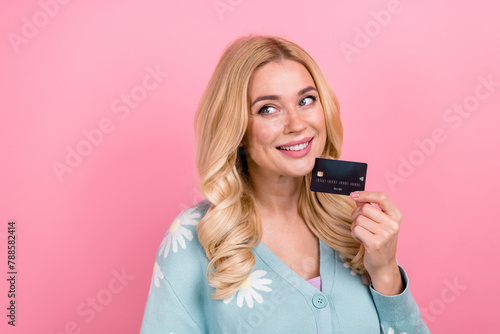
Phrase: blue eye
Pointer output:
(266, 110)
(307, 100)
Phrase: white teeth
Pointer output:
(295, 147)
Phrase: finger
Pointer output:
(380, 198)
(362, 235)
(372, 242)
(371, 212)
(358, 204)
(369, 225)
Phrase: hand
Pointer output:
(377, 229)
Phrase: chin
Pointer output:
(303, 169)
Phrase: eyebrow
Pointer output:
(276, 97)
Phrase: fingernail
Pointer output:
(355, 194)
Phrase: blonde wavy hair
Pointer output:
(231, 227)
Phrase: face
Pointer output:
(286, 126)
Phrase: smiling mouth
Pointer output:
(295, 147)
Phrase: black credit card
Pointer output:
(338, 176)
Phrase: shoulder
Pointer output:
(178, 287)
(180, 251)
(189, 217)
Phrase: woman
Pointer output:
(262, 253)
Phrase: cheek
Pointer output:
(321, 119)
(317, 120)
(263, 133)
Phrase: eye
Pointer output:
(266, 110)
(307, 100)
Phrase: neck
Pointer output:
(276, 195)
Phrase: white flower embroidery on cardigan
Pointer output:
(346, 265)
(157, 276)
(248, 292)
(177, 233)
(391, 330)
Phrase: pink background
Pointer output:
(397, 80)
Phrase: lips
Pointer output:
(296, 149)
(296, 145)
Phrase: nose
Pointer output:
(294, 121)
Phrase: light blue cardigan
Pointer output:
(273, 300)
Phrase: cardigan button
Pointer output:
(319, 301)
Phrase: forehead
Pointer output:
(285, 77)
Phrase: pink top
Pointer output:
(316, 282)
